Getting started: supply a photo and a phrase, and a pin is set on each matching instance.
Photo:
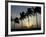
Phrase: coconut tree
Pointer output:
(16, 20)
(22, 16)
(11, 19)
(37, 10)
(29, 13)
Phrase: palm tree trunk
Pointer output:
(14, 25)
(36, 20)
(28, 20)
(21, 24)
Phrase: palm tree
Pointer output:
(22, 16)
(11, 19)
(37, 10)
(29, 13)
(16, 20)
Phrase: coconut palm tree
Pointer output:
(29, 13)
(22, 16)
(11, 19)
(16, 20)
(37, 10)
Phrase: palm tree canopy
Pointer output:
(29, 11)
(16, 20)
(22, 15)
(38, 9)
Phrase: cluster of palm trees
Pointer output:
(29, 12)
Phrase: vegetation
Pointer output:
(30, 12)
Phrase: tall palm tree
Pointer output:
(22, 16)
(29, 13)
(37, 10)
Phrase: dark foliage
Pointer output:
(22, 15)
(38, 9)
(16, 20)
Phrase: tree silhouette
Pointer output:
(29, 13)
(22, 16)
(16, 20)
(37, 10)
(11, 19)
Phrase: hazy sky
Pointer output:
(15, 10)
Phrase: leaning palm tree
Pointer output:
(37, 10)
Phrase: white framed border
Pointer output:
(23, 32)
